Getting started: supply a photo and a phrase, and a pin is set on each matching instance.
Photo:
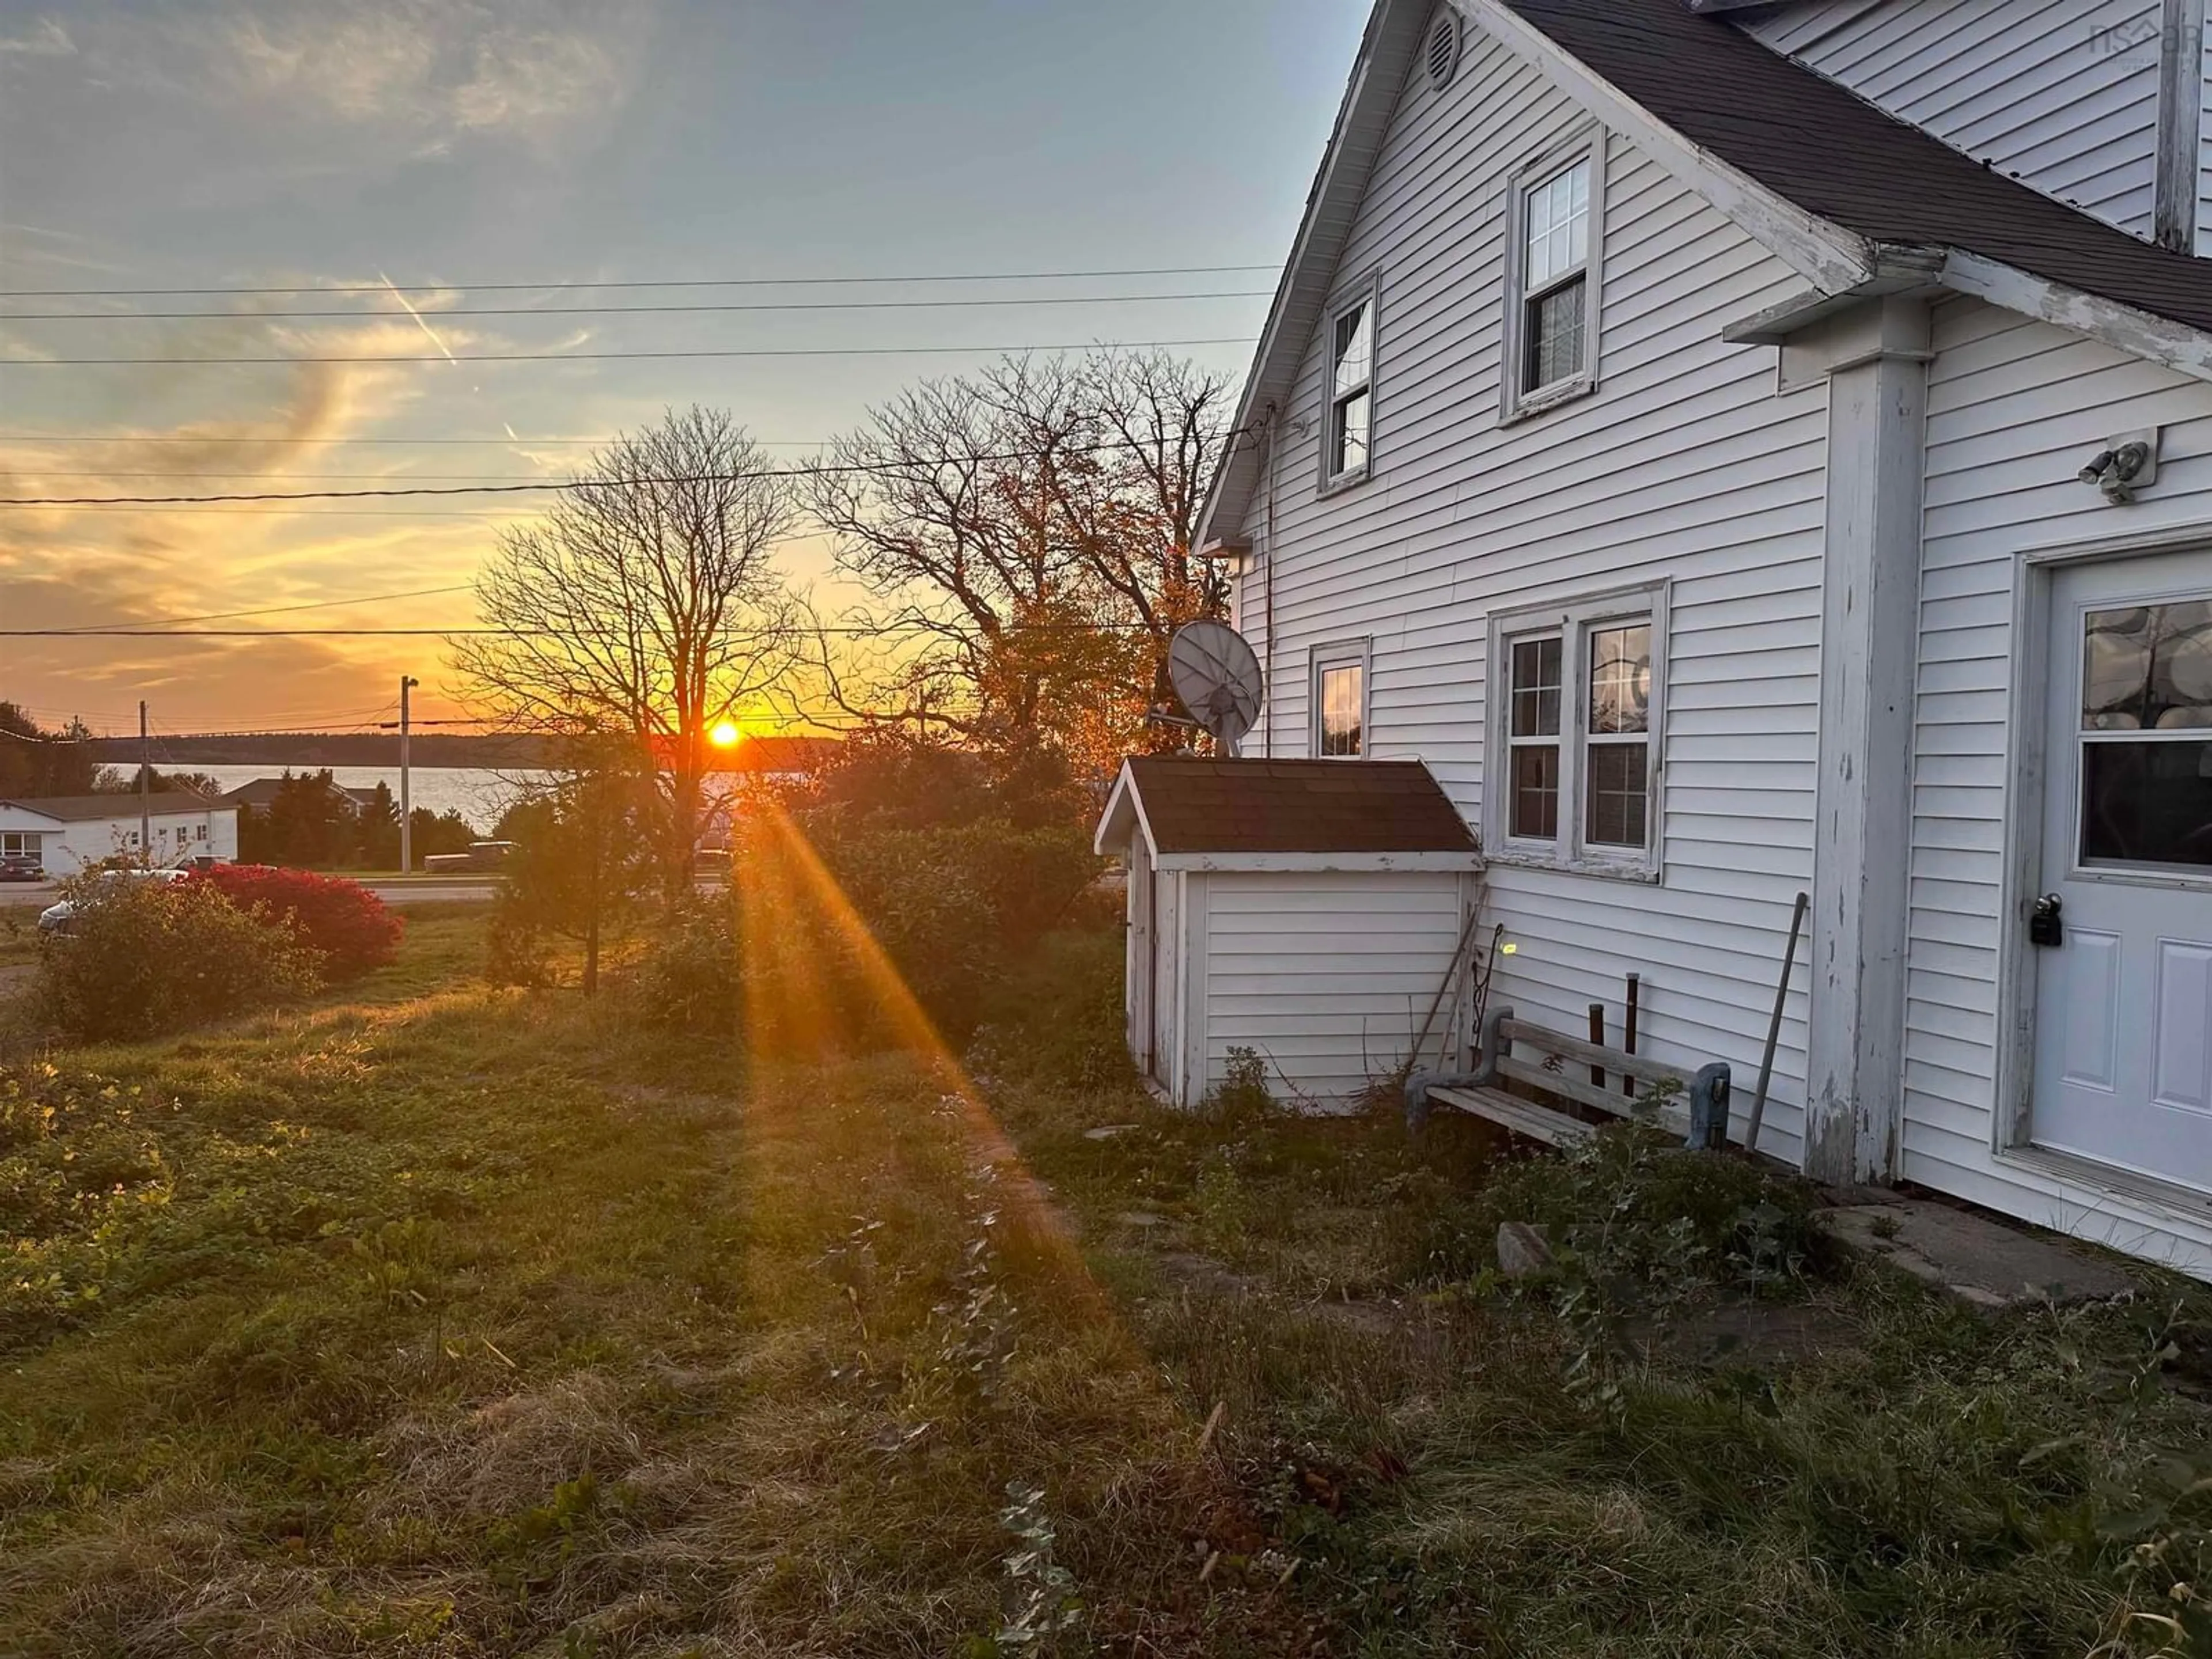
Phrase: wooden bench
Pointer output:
(1515, 1050)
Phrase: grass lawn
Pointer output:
(446, 1319)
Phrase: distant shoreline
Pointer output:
(312, 750)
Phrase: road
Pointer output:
(418, 889)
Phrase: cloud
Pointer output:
(436, 70)
(46, 39)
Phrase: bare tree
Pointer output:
(646, 607)
(1032, 524)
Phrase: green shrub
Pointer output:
(1057, 1019)
(689, 978)
(954, 907)
(143, 958)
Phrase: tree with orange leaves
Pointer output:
(1031, 527)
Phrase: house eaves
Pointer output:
(1387, 52)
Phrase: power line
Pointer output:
(249, 438)
(815, 469)
(699, 282)
(278, 610)
(637, 356)
(356, 314)
(842, 631)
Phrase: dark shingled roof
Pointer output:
(1194, 805)
(1839, 157)
(80, 808)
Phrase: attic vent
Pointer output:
(1443, 48)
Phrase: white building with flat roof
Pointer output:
(69, 832)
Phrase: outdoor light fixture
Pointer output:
(2124, 465)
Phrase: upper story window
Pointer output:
(1339, 702)
(1348, 442)
(1556, 211)
(1575, 737)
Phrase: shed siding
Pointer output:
(1686, 465)
(1327, 975)
(2013, 407)
(2064, 97)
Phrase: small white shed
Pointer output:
(1308, 910)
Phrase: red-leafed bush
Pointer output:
(351, 929)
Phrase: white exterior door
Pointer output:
(2124, 997)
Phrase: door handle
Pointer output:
(2044, 925)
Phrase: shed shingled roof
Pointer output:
(1195, 806)
(1824, 148)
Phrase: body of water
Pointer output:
(479, 795)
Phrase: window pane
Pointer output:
(1616, 814)
(1536, 813)
(1555, 336)
(1557, 231)
(1350, 454)
(1340, 732)
(2148, 668)
(2146, 802)
(1536, 687)
(1620, 678)
(1355, 344)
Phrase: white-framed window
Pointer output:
(19, 843)
(199, 832)
(1554, 218)
(1578, 730)
(1338, 697)
(1348, 433)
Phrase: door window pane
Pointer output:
(2146, 802)
(1617, 812)
(1341, 732)
(1536, 792)
(1620, 678)
(2148, 668)
(1536, 687)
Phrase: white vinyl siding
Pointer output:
(2014, 408)
(2063, 96)
(1328, 975)
(1685, 466)
(2204, 155)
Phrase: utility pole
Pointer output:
(145, 788)
(407, 683)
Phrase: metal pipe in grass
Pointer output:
(1774, 1025)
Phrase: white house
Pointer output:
(1772, 450)
(66, 833)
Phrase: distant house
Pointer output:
(1769, 451)
(67, 833)
(260, 795)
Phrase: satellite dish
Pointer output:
(1217, 677)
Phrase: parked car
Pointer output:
(56, 918)
(19, 866)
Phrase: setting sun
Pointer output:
(726, 735)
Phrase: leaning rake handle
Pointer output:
(1774, 1025)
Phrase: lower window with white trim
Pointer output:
(1339, 701)
(1577, 732)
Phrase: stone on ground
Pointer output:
(1978, 1259)
(1523, 1251)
